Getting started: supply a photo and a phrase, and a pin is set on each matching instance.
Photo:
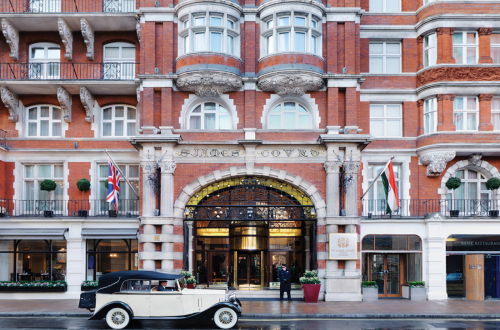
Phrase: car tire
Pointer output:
(225, 318)
(117, 318)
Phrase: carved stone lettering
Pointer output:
(288, 151)
(235, 153)
(67, 37)
(295, 84)
(184, 153)
(314, 153)
(88, 37)
(436, 161)
(275, 153)
(12, 36)
(302, 153)
(266, 153)
(209, 84)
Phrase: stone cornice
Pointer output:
(295, 84)
(12, 36)
(67, 37)
(209, 83)
(88, 37)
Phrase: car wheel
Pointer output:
(117, 318)
(225, 318)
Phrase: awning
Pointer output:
(109, 233)
(32, 233)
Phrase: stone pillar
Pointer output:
(420, 45)
(167, 184)
(351, 196)
(420, 107)
(148, 193)
(191, 253)
(485, 112)
(445, 45)
(307, 249)
(484, 45)
(445, 112)
(332, 188)
(149, 249)
(350, 265)
(434, 260)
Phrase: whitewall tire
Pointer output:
(225, 318)
(117, 318)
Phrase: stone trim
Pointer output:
(88, 103)
(12, 36)
(193, 100)
(67, 37)
(11, 102)
(88, 37)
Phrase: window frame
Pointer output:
(465, 180)
(297, 115)
(203, 112)
(385, 56)
(428, 49)
(430, 114)
(385, 120)
(466, 111)
(464, 46)
(125, 168)
(495, 112)
(378, 205)
(46, 67)
(126, 65)
(49, 119)
(494, 46)
(36, 179)
(384, 8)
(114, 118)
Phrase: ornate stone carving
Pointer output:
(484, 31)
(138, 28)
(420, 39)
(168, 167)
(65, 101)
(420, 103)
(88, 37)
(12, 36)
(67, 37)
(295, 84)
(458, 74)
(485, 97)
(209, 84)
(332, 167)
(445, 97)
(474, 159)
(445, 30)
(88, 103)
(11, 103)
(436, 161)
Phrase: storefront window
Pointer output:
(110, 255)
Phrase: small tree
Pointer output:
(493, 184)
(83, 185)
(48, 185)
(452, 184)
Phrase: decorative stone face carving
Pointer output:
(458, 74)
(294, 84)
(67, 37)
(436, 161)
(485, 97)
(168, 167)
(88, 37)
(484, 31)
(209, 84)
(88, 103)
(65, 101)
(332, 167)
(12, 36)
(474, 159)
(11, 103)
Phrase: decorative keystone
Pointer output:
(88, 37)
(67, 37)
(295, 84)
(209, 84)
(65, 101)
(474, 159)
(11, 103)
(436, 161)
(88, 103)
(12, 36)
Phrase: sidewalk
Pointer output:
(384, 308)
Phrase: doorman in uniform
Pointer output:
(285, 285)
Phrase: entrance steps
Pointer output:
(296, 294)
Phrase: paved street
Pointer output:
(293, 324)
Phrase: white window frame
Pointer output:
(297, 114)
(494, 47)
(385, 118)
(385, 56)
(39, 118)
(202, 113)
(119, 68)
(47, 67)
(465, 112)
(113, 120)
(378, 205)
(470, 206)
(36, 179)
(128, 201)
(430, 51)
(45, 6)
(464, 46)
(430, 115)
(495, 112)
(119, 6)
(384, 7)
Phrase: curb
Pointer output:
(292, 315)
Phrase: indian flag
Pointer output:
(391, 190)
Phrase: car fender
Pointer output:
(101, 313)
(208, 314)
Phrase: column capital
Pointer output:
(148, 167)
(168, 167)
(485, 97)
(352, 168)
(332, 167)
(445, 30)
(445, 97)
(484, 31)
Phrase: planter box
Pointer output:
(33, 289)
(87, 288)
(311, 292)
(418, 294)
(190, 285)
(48, 214)
(494, 213)
(112, 213)
(370, 294)
(454, 213)
(82, 213)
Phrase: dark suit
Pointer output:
(285, 285)
(161, 288)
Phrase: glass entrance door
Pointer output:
(249, 268)
(219, 268)
(385, 270)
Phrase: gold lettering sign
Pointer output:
(343, 247)
(212, 231)
(156, 238)
(285, 232)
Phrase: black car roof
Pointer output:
(111, 282)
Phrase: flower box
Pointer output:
(418, 294)
(370, 294)
(190, 285)
(33, 289)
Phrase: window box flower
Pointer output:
(370, 290)
(88, 285)
(35, 286)
(417, 290)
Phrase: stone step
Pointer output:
(266, 294)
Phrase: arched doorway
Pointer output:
(245, 228)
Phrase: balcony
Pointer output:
(98, 208)
(69, 6)
(424, 208)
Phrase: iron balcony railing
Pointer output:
(249, 213)
(421, 208)
(68, 208)
(73, 6)
(69, 71)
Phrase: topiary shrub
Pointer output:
(453, 183)
(83, 185)
(493, 184)
(48, 185)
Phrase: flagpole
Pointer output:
(374, 180)
(123, 175)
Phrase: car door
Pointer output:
(138, 297)
(166, 303)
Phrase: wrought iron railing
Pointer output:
(68, 208)
(421, 208)
(69, 71)
(73, 6)
(249, 213)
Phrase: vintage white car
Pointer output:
(126, 295)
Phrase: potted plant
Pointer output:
(417, 290)
(186, 274)
(311, 285)
(48, 185)
(452, 184)
(190, 282)
(84, 186)
(493, 184)
(89, 285)
(370, 290)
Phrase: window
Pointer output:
(34, 174)
(214, 32)
(118, 6)
(376, 196)
(495, 47)
(289, 115)
(45, 6)
(119, 120)
(119, 61)
(465, 47)
(430, 50)
(495, 113)
(298, 32)
(384, 6)
(209, 115)
(128, 201)
(430, 115)
(385, 57)
(471, 191)
(44, 120)
(44, 61)
(465, 113)
(110, 255)
(385, 120)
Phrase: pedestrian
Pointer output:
(285, 285)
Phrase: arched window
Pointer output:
(44, 120)
(473, 186)
(119, 61)
(119, 120)
(209, 115)
(44, 61)
(289, 115)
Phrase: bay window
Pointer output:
(430, 50)
(465, 47)
(430, 115)
(495, 113)
(465, 113)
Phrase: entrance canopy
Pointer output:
(33, 233)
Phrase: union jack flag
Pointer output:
(113, 185)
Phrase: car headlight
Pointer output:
(232, 296)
